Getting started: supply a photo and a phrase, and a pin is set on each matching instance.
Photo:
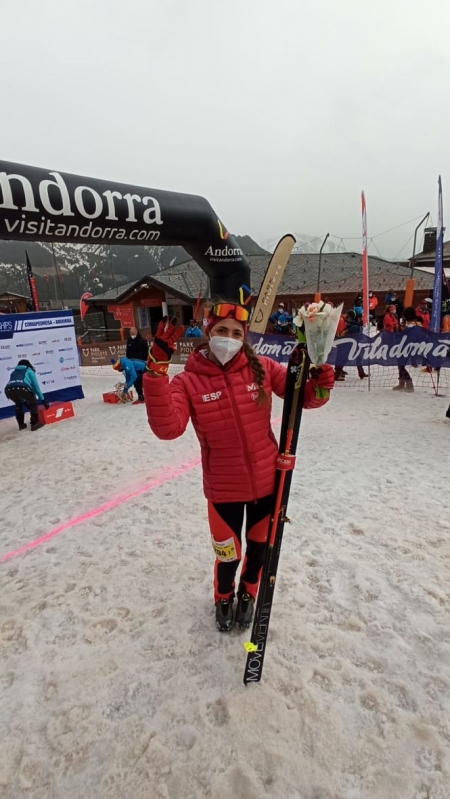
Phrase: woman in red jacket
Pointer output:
(226, 391)
(390, 319)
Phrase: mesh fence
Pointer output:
(423, 378)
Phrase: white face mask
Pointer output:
(224, 347)
(132, 336)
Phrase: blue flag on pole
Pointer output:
(436, 311)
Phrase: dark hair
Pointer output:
(409, 314)
(259, 373)
(26, 363)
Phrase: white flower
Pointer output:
(320, 309)
(320, 320)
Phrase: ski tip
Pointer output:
(249, 647)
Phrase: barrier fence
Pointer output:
(348, 353)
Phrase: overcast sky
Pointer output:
(280, 112)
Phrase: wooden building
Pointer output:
(140, 304)
(13, 303)
(340, 279)
(183, 290)
(425, 260)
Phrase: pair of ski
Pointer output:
(297, 375)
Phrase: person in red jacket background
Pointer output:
(226, 391)
(390, 320)
(373, 302)
(423, 312)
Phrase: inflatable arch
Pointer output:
(42, 205)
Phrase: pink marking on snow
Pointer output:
(165, 477)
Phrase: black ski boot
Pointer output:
(22, 426)
(37, 426)
(224, 615)
(244, 613)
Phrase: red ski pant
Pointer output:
(225, 522)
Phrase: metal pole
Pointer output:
(112, 268)
(320, 262)
(130, 259)
(77, 282)
(55, 264)
(415, 238)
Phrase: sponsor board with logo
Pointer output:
(414, 347)
(48, 205)
(186, 346)
(101, 354)
(21, 337)
(123, 314)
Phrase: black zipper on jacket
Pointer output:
(241, 430)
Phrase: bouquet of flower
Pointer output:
(320, 320)
(123, 396)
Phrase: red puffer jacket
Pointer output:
(238, 446)
(390, 323)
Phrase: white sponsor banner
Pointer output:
(48, 341)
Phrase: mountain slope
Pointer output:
(75, 268)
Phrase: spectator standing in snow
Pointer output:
(423, 312)
(408, 320)
(390, 320)
(392, 299)
(133, 371)
(281, 320)
(373, 302)
(23, 389)
(399, 307)
(358, 311)
(226, 391)
(341, 326)
(137, 346)
(193, 331)
(358, 307)
(350, 327)
(339, 371)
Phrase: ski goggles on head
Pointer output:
(224, 309)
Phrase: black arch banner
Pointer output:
(42, 205)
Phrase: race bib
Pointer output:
(224, 550)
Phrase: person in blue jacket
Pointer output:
(281, 320)
(193, 331)
(133, 371)
(23, 389)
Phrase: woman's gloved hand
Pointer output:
(322, 379)
(163, 345)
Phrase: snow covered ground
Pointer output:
(115, 684)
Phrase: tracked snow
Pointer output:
(114, 682)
